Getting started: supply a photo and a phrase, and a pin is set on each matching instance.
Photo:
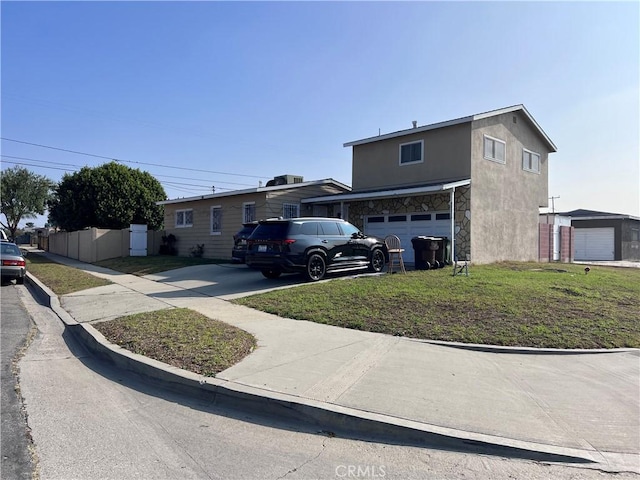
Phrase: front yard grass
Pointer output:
(515, 304)
(61, 279)
(182, 338)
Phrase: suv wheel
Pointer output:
(377, 261)
(270, 273)
(316, 267)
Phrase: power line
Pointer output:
(155, 175)
(128, 161)
(172, 185)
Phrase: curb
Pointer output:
(325, 417)
(525, 350)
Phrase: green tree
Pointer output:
(23, 194)
(109, 196)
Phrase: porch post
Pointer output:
(452, 201)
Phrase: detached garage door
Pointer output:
(407, 226)
(595, 243)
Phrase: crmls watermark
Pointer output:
(361, 471)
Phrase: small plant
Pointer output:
(197, 251)
(168, 245)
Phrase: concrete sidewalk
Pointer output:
(571, 406)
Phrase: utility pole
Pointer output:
(553, 203)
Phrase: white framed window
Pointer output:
(290, 210)
(412, 152)
(184, 218)
(248, 212)
(530, 161)
(494, 149)
(216, 220)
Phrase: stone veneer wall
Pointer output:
(422, 203)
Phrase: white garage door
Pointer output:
(407, 226)
(594, 243)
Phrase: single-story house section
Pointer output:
(605, 236)
(212, 220)
(478, 180)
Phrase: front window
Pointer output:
(216, 220)
(494, 149)
(290, 210)
(184, 218)
(411, 152)
(530, 161)
(248, 212)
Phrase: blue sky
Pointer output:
(247, 91)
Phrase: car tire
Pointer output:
(376, 264)
(20, 281)
(271, 273)
(316, 267)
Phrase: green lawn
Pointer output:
(182, 338)
(61, 279)
(533, 305)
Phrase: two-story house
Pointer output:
(478, 180)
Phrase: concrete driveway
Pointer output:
(227, 281)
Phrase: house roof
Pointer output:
(582, 214)
(430, 188)
(458, 121)
(289, 186)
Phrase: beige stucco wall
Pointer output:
(504, 197)
(268, 204)
(376, 165)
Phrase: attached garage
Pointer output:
(595, 243)
(407, 226)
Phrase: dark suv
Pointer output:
(313, 246)
(240, 242)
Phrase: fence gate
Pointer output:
(137, 240)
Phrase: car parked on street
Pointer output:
(12, 262)
(313, 246)
(240, 242)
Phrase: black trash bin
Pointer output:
(430, 252)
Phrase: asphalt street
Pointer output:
(15, 326)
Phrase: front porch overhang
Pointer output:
(397, 192)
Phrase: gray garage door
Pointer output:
(595, 243)
(409, 225)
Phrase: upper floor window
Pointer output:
(248, 212)
(530, 161)
(494, 149)
(412, 152)
(184, 218)
(290, 210)
(216, 220)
